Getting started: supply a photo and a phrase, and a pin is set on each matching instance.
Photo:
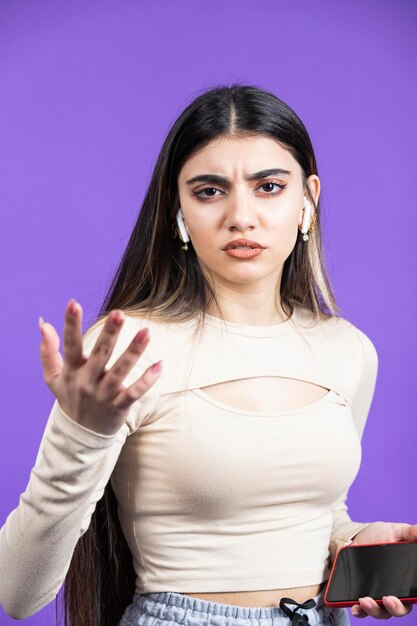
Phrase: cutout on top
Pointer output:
(265, 393)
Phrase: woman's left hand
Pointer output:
(378, 532)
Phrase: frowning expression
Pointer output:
(247, 188)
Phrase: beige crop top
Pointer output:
(212, 497)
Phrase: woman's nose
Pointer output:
(240, 214)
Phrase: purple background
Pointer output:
(88, 93)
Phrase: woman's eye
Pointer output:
(269, 192)
(199, 193)
(274, 185)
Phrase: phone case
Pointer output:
(328, 603)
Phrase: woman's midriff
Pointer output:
(264, 598)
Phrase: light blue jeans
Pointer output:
(176, 609)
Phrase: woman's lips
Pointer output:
(241, 253)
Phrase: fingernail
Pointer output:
(41, 323)
(156, 367)
(72, 307)
(389, 602)
(367, 604)
(117, 318)
(142, 336)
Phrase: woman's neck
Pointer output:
(249, 314)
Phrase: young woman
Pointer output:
(212, 490)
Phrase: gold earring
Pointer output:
(312, 224)
(311, 229)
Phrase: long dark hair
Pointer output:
(156, 276)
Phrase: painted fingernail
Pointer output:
(142, 336)
(156, 367)
(117, 318)
(72, 307)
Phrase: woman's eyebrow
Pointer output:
(221, 180)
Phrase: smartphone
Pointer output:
(374, 570)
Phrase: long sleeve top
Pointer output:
(212, 496)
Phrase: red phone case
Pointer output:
(352, 603)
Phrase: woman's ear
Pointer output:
(313, 183)
(314, 186)
(182, 226)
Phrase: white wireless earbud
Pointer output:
(306, 216)
(181, 226)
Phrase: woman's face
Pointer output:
(220, 204)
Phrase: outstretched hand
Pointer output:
(85, 389)
(378, 532)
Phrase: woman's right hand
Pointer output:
(85, 390)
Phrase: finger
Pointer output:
(395, 607)
(408, 532)
(136, 390)
(358, 612)
(104, 345)
(50, 356)
(111, 382)
(373, 609)
(72, 344)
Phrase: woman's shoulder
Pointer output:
(355, 330)
(341, 333)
